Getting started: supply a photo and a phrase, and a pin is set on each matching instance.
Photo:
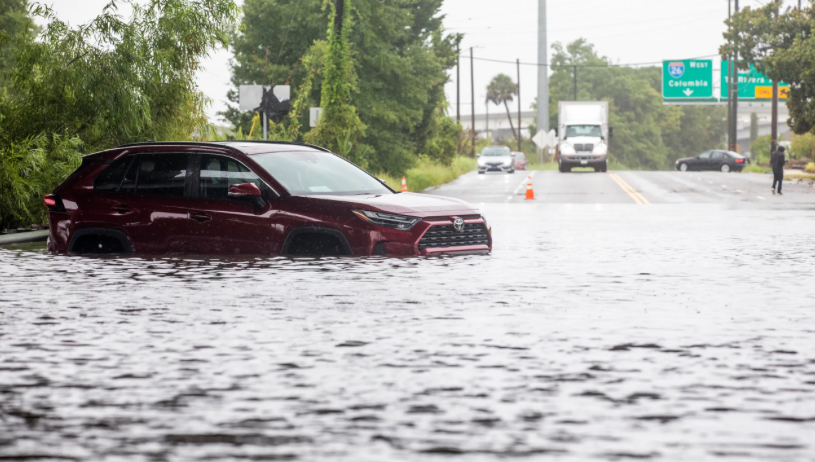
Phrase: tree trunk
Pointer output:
(511, 125)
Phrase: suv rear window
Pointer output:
(111, 177)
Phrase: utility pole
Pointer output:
(487, 104)
(458, 83)
(472, 105)
(543, 70)
(518, 62)
(734, 91)
(774, 122)
(729, 60)
(575, 83)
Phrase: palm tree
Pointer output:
(501, 90)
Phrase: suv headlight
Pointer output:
(387, 220)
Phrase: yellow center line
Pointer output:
(638, 198)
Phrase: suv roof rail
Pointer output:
(221, 143)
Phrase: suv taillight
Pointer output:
(53, 203)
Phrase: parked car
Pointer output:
(520, 161)
(724, 161)
(249, 198)
(496, 159)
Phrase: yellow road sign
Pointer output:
(767, 92)
(764, 92)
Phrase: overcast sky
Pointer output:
(626, 31)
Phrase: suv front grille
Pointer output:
(439, 236)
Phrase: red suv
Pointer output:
(249, 198)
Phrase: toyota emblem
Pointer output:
(458, 224)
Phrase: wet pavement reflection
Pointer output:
(611, 332)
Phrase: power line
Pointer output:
(583, 65)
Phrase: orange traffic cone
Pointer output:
(530, 194)
(404, 185)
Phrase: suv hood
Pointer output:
(412, 204)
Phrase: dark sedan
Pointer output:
(723, 161)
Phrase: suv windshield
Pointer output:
(583, 130)
(496, 151)
(309, 173)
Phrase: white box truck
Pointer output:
(583, 135)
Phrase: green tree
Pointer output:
(783, 48)
(502, 90)
(339, 128)
(105, 83)
(753, 126)
(400, 57)
(15, 26)
(647, 134)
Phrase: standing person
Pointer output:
(777, 162)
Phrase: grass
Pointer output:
(753, 168)
(799, 177)
(427, 174)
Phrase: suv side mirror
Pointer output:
(244, 190)
(247, 191)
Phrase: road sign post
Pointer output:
(688, 81)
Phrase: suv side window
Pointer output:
(218, 173)
(111, 177)
(161, 174)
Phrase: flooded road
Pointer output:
(593, 332)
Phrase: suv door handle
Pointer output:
(200, 217)
(122, 209)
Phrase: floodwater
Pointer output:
(592, 332)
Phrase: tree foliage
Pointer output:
(339, 128)
(400, 56)
(102, 84)
(15, 26)
(782, 47)
(646, 134)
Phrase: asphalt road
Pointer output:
(628, 187)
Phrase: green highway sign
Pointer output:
(753, 85)
(688, 80)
